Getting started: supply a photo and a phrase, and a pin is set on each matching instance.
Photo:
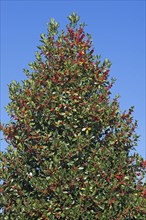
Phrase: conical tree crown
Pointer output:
(68, 154)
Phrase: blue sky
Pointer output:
(118, 33)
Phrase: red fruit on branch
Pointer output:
(143, 164)
(43, 65)
(120, 176)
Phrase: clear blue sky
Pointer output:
(118, 32)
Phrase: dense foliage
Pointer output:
(68, 154)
